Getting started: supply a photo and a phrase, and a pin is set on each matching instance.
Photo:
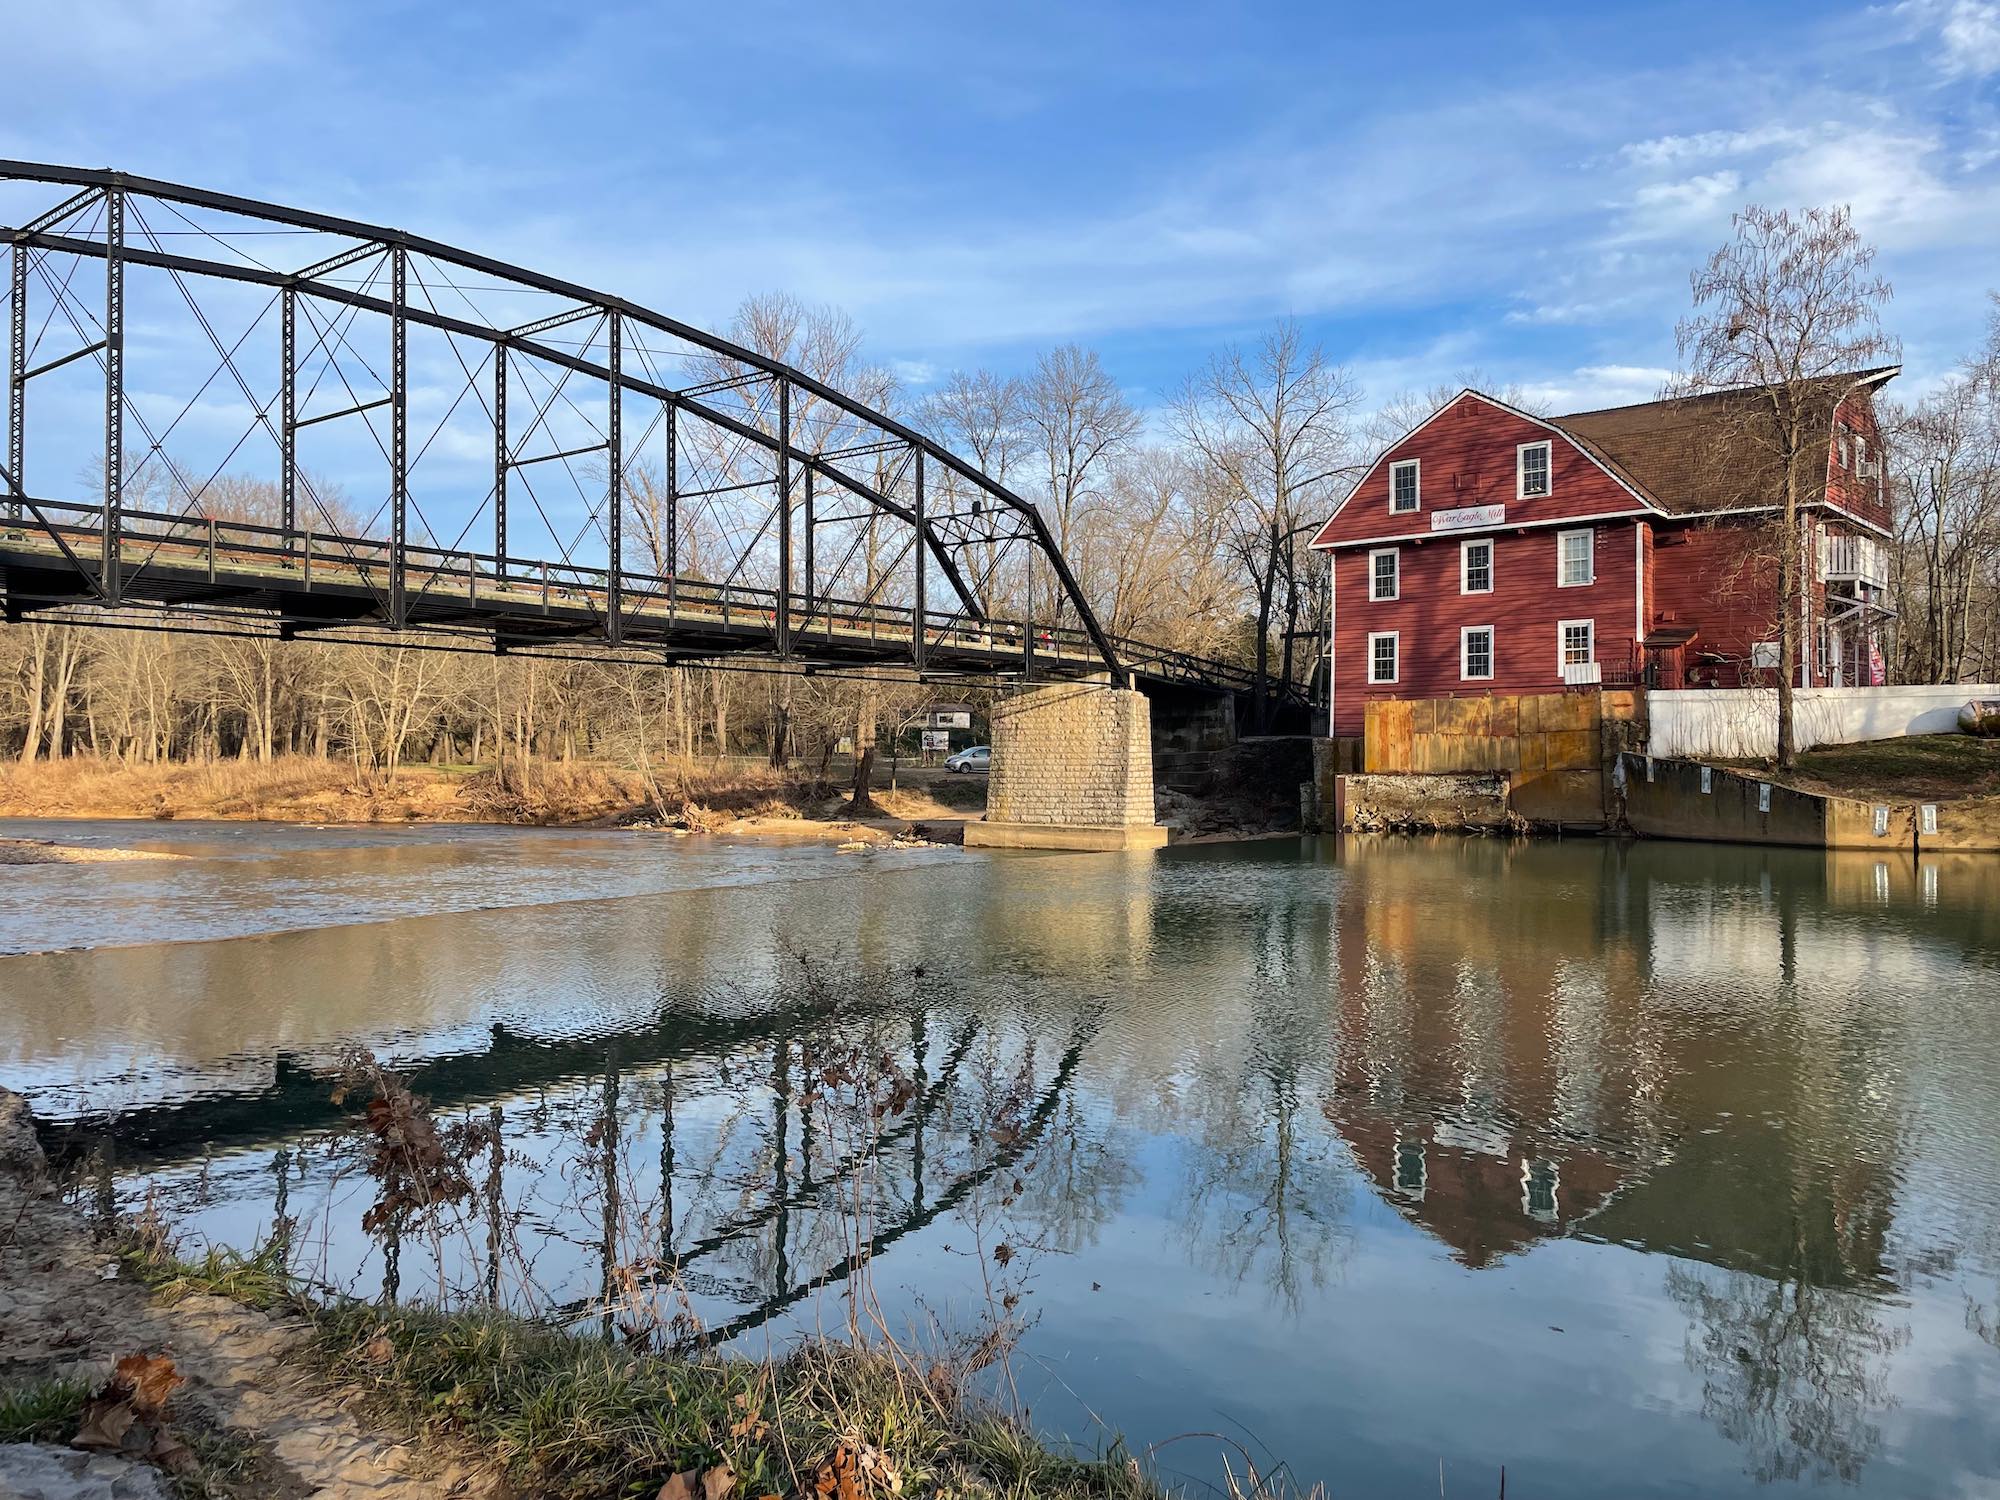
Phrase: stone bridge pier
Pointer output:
(1072, 769)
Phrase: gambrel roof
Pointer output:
(1695, 454)
(1682, 455)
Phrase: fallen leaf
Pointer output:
(106, 1420)
(380, 1350)
(1003, 1253)
(719, 1482)
(170, 1453)
(679, 1486)
(151, 1378)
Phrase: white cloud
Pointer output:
(1589, 387)
(1708, 145)
(147, 45)
(1966, 33)
(1665, 205)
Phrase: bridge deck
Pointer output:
(308, 582)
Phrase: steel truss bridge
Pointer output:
(561, 472)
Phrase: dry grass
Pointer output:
(308, 789)
(1926, 768)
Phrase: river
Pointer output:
(1637, 1169)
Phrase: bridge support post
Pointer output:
(17, 388)
(673, 527)
(501, 458)
(1072, 769)
(784, 620)
(288, 412)
(111, 568)
(399, 437)
(918, 645)
(614, 500)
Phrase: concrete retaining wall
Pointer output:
(1552, 747)
(1739, 723)
(1679, 799)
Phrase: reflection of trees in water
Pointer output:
(1074, 1181)
(1266, 1194)
(1793, 1370)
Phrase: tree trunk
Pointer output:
(1790, 594)
(862, 803)
(38, 638)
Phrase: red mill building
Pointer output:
(1489, 551)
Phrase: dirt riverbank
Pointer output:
(736, 797)
(248, 1416)
(126, 1374)
(702, 796)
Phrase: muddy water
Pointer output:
(1652, 1170)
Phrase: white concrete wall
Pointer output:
(1742, 722)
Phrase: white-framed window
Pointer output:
(1531, 470)
(1576, 559)
(1475, 653)
(1382, 656)
(1405, 486)
(1540, 1184)
(1410, 1175)
(1576, 644)
(1385, 574)
(1475, 566)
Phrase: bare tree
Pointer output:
(1078, 420)
(1947, 483)
(980, 416)
(1273, 425)
(1780, 311)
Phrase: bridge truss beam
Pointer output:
(752, 444)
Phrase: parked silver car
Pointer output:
(973, 758)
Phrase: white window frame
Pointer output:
(1563, 628)
(1589, 534)
(1465, 634)
(1397, 592)
(1416, 465)
(1521, 469)
(1393, 636)
(1464, 559)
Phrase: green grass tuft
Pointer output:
(47, 1411)
(574, 1416)
(257, 1280)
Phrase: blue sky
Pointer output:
(1432, 189)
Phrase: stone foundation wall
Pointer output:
(1072, 753)
(1411, 800)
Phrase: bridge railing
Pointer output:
(241, 553)
(227, 550)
